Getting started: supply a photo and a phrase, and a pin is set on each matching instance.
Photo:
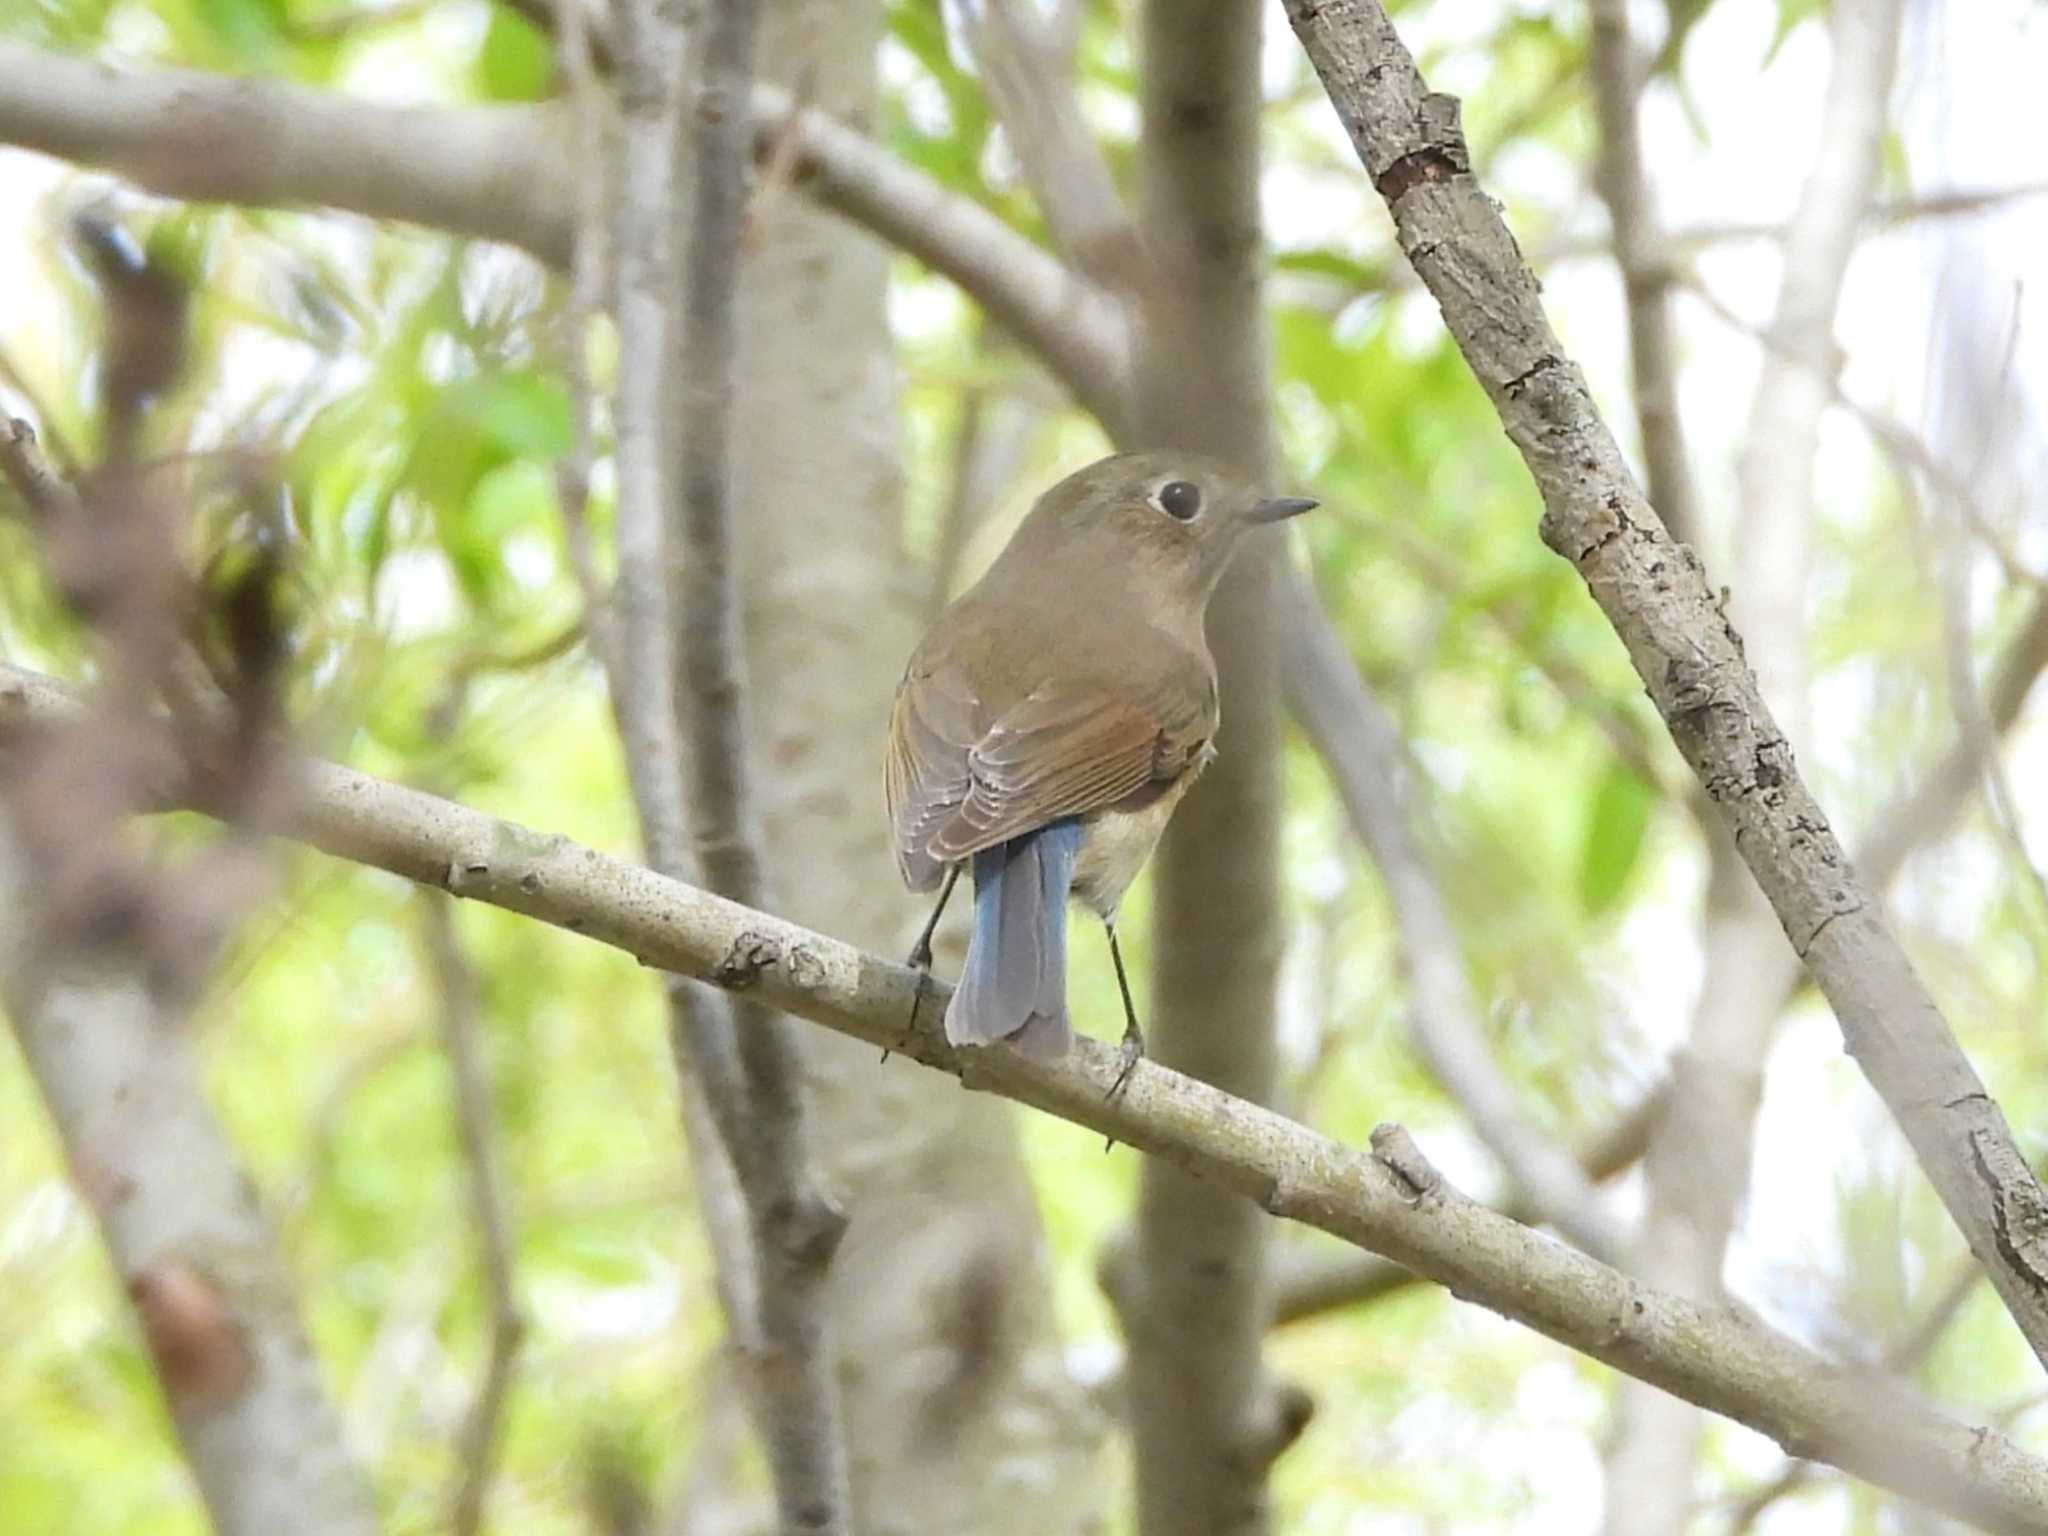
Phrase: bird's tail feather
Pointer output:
(1014, 986)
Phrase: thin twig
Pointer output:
(1911, 456)
(588, 259)
(648, 279)
(1306, 1287)
(489, 1209)
(1360, 747)
(1618, 72)
(1027, 68)
(795, 1227)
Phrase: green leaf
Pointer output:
(1614, 839)
(515, 62)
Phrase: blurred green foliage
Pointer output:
(407, 393)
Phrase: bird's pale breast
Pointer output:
(1115, 845)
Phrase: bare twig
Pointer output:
(1717, 1079)
(1911, 456)
(795, 1227)
(1688, 655)
(1360, 747)
(1902, 1357)
(488, 1207)
(1306, 1286)
(648, 268)
(1027, 67)
(1054, 311)
(1618, 74)
(588, 260)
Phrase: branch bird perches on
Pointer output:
(1389, 1199)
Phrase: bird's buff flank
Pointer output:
(1053, 717)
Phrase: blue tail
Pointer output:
(1014, 986)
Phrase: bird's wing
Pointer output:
(1064, 750)
(933, 726)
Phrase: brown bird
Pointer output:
(1054, 716)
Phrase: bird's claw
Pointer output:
(1129, 1054)
(924, 971)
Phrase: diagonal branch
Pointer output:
(1361, 749)
(1655, 594)
(1389, 1200)
(1308, 1285)
(1717, 1077)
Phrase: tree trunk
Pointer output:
(1207, 1422)
(950, 1364)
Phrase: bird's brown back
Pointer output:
(1069, 678)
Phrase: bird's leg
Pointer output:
(1134, 1037)
(921, 952)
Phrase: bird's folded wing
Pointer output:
(957, 786)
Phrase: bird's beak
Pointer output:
(1277, 508)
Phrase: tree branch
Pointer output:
(102, 949)
(1387, 1200)
(795, 1228)
(1618, 74)
(1360, 747)
(1688, 655)
(198, 1259)
(701, 1035)
(496, 173)
(1307, 1286)
(1207, 1420)
(488, 1206)
(1717, 1079)
(500, 173)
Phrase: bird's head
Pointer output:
(1180, 514)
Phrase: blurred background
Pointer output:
(1806, 237)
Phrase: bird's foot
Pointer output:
(1129, 1054)
(920, 962)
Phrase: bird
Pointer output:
(1052, 718)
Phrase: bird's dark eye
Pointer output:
(1180, 499)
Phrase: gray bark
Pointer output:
(181, 1222)
(1717, 1080)
(950, 1365)
(1681, 642)
(795, 1228)
(1388, 1200)
(1206, 1421)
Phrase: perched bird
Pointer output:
(1051, 720)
